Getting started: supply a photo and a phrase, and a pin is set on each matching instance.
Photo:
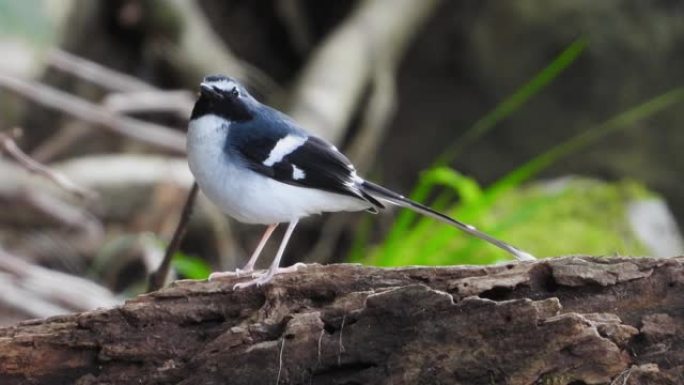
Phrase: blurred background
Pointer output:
(554, 125)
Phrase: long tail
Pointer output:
(390, 196)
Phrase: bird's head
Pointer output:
(225, 97)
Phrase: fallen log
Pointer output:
(575, 320)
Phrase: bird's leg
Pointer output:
(249, 267)
(273, 269)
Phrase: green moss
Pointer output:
(581, 217)
(570, 216)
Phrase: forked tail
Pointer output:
(390, 196)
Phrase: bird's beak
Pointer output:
(207, 90)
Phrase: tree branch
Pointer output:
(158, 278)
(149, 133)
(95, 73)
(40, 292)
(559, 321)
(9, 146)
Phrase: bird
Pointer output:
(258, 166)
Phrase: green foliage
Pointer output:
(587, 218)
(578, 216)
(574, 216)
(191, 267)
(187, 266)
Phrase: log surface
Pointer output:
(576, 320)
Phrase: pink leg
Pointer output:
(268, 275)
(249, 267)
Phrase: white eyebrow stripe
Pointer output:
(284, 147)
(223, 84)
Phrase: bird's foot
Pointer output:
(244, 271)
(267, 276)
(259, 281)
(290, 269)
(237, 273)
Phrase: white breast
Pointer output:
(244, 194)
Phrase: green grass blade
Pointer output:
(511, 104)
(424, 242)
(621, 121)
(466, 188)
(500, 112)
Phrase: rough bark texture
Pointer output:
(562, 321)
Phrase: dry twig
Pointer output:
(59, 142)
(131, 95)
(9, 146)
(40, 292)
(95, 73)
(179, 102)
(158, 278)
(63, 212)
(150, 133)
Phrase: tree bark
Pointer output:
(576, 320)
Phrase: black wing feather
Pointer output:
(323, 166)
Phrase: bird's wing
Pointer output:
(302, 160)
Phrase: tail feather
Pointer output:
(390, 196)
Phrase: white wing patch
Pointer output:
(355, 178)
(297, 173)
(284, 147)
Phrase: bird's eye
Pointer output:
(235, 92)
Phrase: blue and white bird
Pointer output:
(258, 166)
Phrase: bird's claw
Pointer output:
(260, 281)
(267, 276)
(231, 274)
(244, 272)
